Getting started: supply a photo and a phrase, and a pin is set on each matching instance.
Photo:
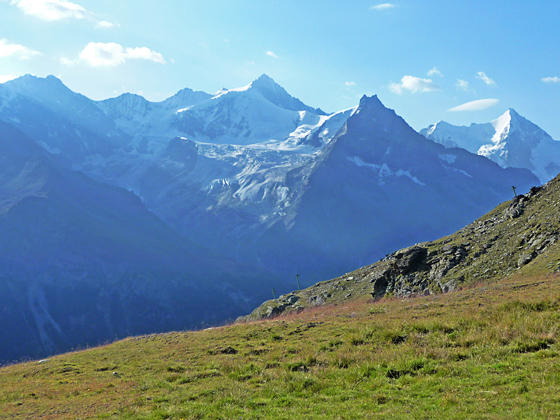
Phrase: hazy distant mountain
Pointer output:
(82, 262)
(510, 140)
(65, 123)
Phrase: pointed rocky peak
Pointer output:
(276, 94)
(370, 101)
(518, 120)
(373, 129)
(372, 105)
(372, 113)
(512, 122)
(265, 82)
(510, 116)
(513, 113)
(508, 122)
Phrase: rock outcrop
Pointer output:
(522, 234)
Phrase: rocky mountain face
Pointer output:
(510, 140)
(187, 212)
(519, 236)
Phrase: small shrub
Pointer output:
(298, 367)
(395, 338)
(343, 362)
(176, 369)
(532, 347)
(355, 341)
(228, 350)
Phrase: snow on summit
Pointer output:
(510, 140)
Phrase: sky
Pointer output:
(459, 61)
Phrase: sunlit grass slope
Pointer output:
(490, 351)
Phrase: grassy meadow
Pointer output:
(489, 351)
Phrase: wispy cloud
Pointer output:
(54, 10)
(551, 79)
(109, 54)
(413, 84)
(434, 71)
(6, 77)
(477, 105)
(462, 84)
(105, 24)
(382, 6)
(271, 54)
(9, 49)
(51, 9)
(349, 83)
(484, 77)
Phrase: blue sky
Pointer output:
(422, 58)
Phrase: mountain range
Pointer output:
(190, 211)
(510, 140)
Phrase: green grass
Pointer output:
(490, 351)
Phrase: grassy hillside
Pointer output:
(519, 236)
(491, 350)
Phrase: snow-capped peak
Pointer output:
(502, 126)
(270, 90)
(510, 140)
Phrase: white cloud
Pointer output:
(477, 105)
(8, 49)
(462, 84)
(6, 77)
(382, 6)
(434, 72)
(105, 24)
(271, 54)
(144, 53)
(54, 10)
(482, 76)
(51, 10)
(413, 84)
(349, 84)
(551, 79)
(107, 54)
